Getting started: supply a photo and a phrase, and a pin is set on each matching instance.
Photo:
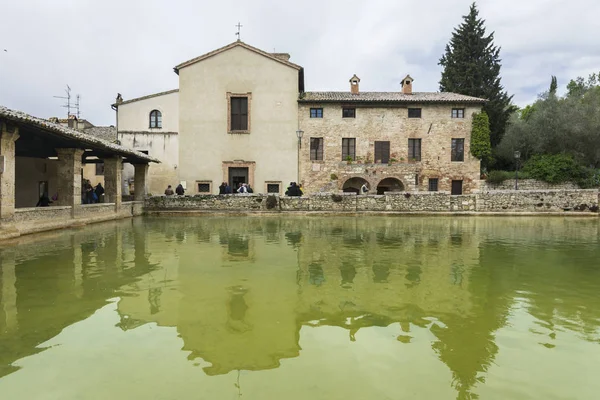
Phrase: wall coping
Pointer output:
(99, 205)
(539, 191)
(128, 202)
(25, 210)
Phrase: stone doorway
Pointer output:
(390, 185)
(237, 176)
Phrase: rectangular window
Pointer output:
(458, 150)
(316, 149)
(414, 149)
(272, 187)
(458, 113)
(99, 169)
(416, 179)
(239, 113)
(316, 113)
(348, 112)
(414, 113)
(348, 149)
(433, 184)
(204, 186)
(382, 152)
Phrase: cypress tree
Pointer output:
(553, 85)
(480, 138)
(471, 65)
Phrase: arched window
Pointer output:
(155, 119)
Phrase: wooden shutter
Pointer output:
(348, 148)
(316, 149)
(239, 113)
(382, 152)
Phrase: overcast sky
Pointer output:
(102, 47)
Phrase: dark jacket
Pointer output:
(44, 201)
(180, 190)
(99, 190)
(227, 189)
(222, 189)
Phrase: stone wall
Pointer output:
(527, 184)
(501, 201)
(436, 128)
(29, 214)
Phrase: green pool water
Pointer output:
(304, 308)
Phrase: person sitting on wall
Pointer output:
(223, 188)
(169, 191)
(99, 191)
(293, 190)
(44, 201)
(180, 190)
(249, 188)
(364, 189)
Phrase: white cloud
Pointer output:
(101, 48)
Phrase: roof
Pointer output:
(237, 43)
(387, 97)
(147, 97)
(108, 133)
(86, 141)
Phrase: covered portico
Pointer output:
(39, 157)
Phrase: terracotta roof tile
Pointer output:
(385, 97)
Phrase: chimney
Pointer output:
(407, 85)
(72, 122)
(281, 56)
(119, 99)
(354, 84)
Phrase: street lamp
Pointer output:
(299, 134)
(517, 157)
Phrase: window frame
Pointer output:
(348, 112)
(209, 183)
(413, 111)
(382, 160)
(271, 183)
(347, 145)
(412, 156)
(433, 184)
(455, 155)
(155, 119)
(230, 96)
(318, 112)
(458, 113)
(319, 150)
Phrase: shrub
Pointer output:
(557, 168)
(336, 198)
(333, 177)
(497, 177)
(271, 202)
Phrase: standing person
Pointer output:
(364, 189)
(223, 188)
(243, 189)
(90, 196)
(249, 188)
(99, 192)
(44, 201)
(180, 190)
(169, 191)
(227, 188)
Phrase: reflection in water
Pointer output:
(475, 296)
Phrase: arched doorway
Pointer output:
(353, 185)
(390, 185)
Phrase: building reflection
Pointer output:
(239, 291)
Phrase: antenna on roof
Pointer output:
(239, 26)
(77, 106)
(68, 106)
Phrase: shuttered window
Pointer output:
(316, 149)
(239, 113)
(433, 184)
(348, 112)
(414, 113)
(414, 149)
(348, 149)
(382, 152)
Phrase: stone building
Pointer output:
(390, 141)
(233, 119)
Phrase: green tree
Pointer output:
(471, 66)
(480, 138)
(553, 85)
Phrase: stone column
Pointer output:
(140, 181)
(8, 136)
(113, 172)
(69, 179)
